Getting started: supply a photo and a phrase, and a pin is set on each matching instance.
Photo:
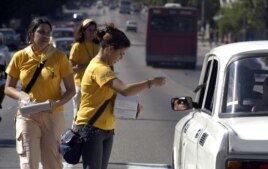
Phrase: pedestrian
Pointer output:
(85, 47)
(211, 37)
(100, 83)
(38, 135)
(262, 105)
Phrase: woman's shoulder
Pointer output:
(20, 53)
(59, 54)
(77, 44)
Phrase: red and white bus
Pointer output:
(171, 36)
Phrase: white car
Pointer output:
(226, 126)
(63, 44)
(62, 33)
(131, 25)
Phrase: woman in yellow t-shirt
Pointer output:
(38, 134)
(85, 47)
(100, 83)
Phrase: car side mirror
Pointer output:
(181, 103)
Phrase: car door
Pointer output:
(195, 126)
(210, 128)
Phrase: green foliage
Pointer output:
(243, 15)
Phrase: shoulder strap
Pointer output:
(35, 76)
(98, 113)
(84, 131)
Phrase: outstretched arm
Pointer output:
(135, 88)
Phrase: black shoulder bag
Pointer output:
(35, 76)
(71, 141)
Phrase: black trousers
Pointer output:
(97, 150)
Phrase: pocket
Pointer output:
(19, 143)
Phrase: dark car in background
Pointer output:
(131, 25)
(11, 38)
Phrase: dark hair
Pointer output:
(111, 36)
(81, 30)
(36, 22)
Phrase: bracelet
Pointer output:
(149, 84)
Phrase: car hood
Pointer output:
(248, 135)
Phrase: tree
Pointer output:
(210, 9)
(244, 17)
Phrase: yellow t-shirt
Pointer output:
(95, 93)
(48, 84)
(82, 53)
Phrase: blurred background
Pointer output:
(224, 20)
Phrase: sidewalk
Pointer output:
(122, 166)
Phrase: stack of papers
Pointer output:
(35, 108)
(126, 107)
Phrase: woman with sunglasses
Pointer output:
(85, 47)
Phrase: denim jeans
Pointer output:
(97, 150)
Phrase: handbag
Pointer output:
(71, 141)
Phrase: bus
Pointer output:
(171, 37)
(124, 6)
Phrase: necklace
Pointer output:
(92, 45)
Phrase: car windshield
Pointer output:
(62, 33)
(7, 32)
(64, 45)
(132, 22)
(246, 87)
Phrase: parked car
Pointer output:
(131, 25)
(11, 38)
(226, 125)
(64, 44)
(62, 33)
(5, 54)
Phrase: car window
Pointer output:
(244, 89)
(171, 23)
(209, 98)
(206, 95)
(132, 22)
(62, 33)
(64, 45)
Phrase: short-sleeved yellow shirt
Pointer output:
(82, 53)
(95, 93)
(48, 84)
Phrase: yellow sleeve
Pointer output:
(13, 68)
(74, 53)
(103, 75)
(65, 66)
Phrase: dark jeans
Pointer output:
(97, 150)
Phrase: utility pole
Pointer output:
(203, 12)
